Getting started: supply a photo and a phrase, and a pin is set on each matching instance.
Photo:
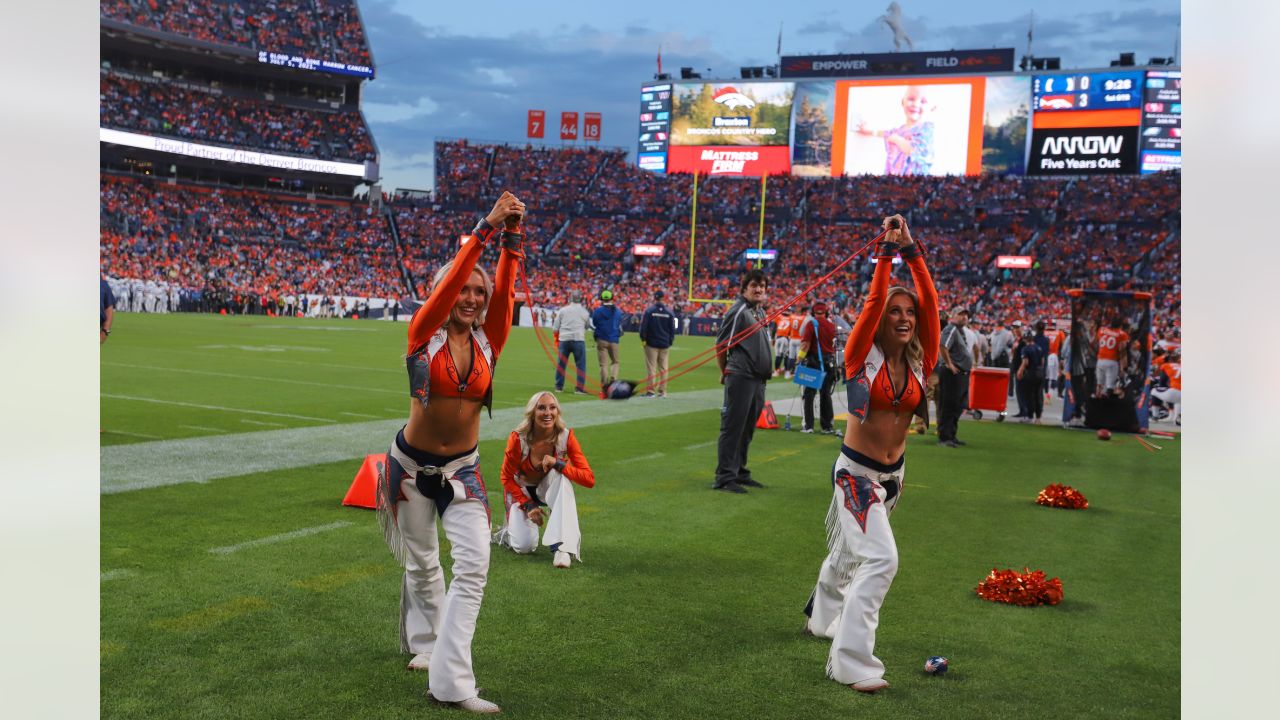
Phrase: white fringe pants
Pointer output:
(432, 620)
(860, 565)
(557, 492)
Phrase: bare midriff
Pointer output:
(881, 437)
(446, 426)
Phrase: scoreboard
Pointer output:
(1116, 121)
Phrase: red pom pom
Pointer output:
(1104, 434)
(1062, 496)
(1020, 588)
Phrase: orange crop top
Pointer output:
(516, 465)
(882, 392)
(445, 376)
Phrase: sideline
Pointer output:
(137, 466)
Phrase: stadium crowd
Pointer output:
(158, 108)
(327, 28)
(588, 208)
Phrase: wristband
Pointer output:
(513, 241)
(560, 465)
(911, 252)
(886, 249)
(483, 230)
(528, 506)
(801, 355)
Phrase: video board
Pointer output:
(1161, 122)
(731, 128)
(655, 126)
(1040, 124)
(1085, 123)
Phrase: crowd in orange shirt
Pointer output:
(588, 208)
(157, 108)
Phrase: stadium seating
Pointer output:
(156, 108)
(589, 207)
(244, 243)
(327, 28)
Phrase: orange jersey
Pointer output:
(784, 325)
(1055, 342)
(518, 469)
(1110, 343)
(797, 327)
(1173, 371)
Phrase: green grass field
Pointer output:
(220, 431)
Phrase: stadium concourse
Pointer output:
(590, 207)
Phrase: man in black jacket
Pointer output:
(744, 369)
(657, 332)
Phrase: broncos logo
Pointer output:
(859, 495)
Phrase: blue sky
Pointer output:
(473, 70)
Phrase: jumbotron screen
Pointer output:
(902, 126)
(955, 124)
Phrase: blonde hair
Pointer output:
(488, 289)
(915, 349)
(525, 428)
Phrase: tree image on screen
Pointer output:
(1004, 145)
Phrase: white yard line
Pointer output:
(137, 466)
(117, 574)
(213, 407)
(362, 415)
(283, 537)
(144, 436)
(699, 446)
(650, 456)
(201, 427)
(262, 378)
(264, 424)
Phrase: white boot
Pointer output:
(561, 559)
(420, 661)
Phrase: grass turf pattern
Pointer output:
(689, 601)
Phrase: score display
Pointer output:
(1086, 91)
(1161, 122)
(655, 127)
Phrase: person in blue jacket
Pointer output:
(607, 320)
(657, 331)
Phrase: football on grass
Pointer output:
(1104, 434)
(936, 665)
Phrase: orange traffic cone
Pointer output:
(768, 419)
(364, 489)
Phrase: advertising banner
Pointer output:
(236, 155)
(1162, 121)
(731, 160)
(537, 124)
(1084, 151)
(909, 63)
(1018, 262)
(655, 127)
(648, 250)
(591, 127)
(1085, 123)
(568, 126)
(930, 126)
(723, 114)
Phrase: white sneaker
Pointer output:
(561, 559)
(807, 431)
(870, 686)
(420, 661)
(475, 705)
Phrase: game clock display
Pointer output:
(1087, 91)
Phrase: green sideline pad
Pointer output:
(255, 595)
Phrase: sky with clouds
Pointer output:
(450, 70)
